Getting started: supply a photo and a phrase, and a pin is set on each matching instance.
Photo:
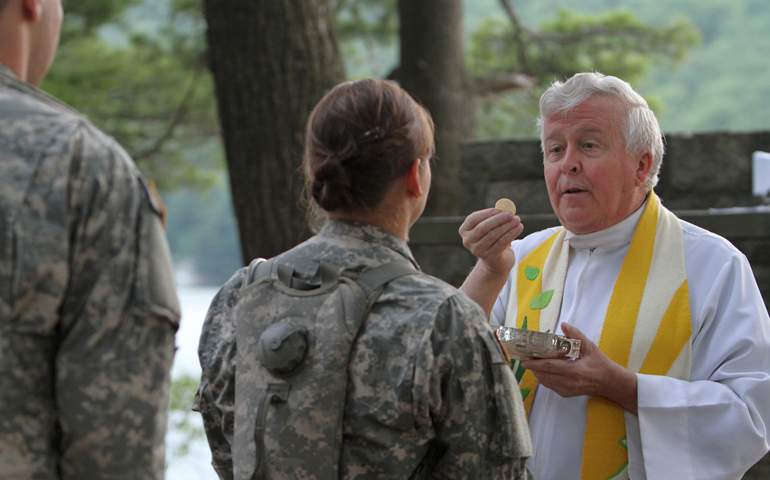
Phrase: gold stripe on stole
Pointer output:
(604, 454)
(526, 316)
(671, 339)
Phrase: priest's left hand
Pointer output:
(593, 373)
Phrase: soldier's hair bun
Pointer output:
(331, 186)
(360, 138)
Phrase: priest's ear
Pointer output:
(643, 167)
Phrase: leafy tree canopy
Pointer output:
(511, 63)
(137, 69)
(149, 88)
(83, 18)
(615, 43)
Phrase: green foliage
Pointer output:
(508, 115)
(134, 94)
(203, 233)
(84, 17)
(375, 19)
(722, 84)
(726, 83)
(367, 30)
(137, 69)
(152, 92)
(183, 421)
(615, 43)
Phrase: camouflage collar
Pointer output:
(10, 78)
(367, 233)
(7, 72)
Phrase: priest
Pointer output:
(673, 377)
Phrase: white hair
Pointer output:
(640, 128)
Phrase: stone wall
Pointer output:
(699, 172)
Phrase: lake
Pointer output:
(196, 464)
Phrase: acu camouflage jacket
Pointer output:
(426, 373)
(88, 306)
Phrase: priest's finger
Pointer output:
(475, 218)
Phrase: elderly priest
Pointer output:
(673, 377)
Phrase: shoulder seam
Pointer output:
(41, 95)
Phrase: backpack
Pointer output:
(294, 343)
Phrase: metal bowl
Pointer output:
(521, 344)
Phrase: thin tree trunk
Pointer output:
(272, 60)
(432, 69)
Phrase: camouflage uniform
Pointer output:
(88, 307)
(428, 376)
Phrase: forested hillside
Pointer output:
(725, 81)
(722, 83)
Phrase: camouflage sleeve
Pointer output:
(479, 422)
(216, 395)
(118, 319)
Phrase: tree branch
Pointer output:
(518, 29)
(178, 118)
(503, 83)
(596, 31)
(340, 5)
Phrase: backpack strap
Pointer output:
(259, 268)
(254, 272)
(370, 281)
(375, 278)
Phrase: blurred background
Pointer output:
(210, 98)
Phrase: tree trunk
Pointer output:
(432, 69)
(272, 60)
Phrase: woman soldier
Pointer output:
(429, 391)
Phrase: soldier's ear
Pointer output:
(413, 179)
(32, 10)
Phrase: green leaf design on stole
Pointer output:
(525, 393)
(541, 301)
(531, 273)
(623, 443)
(520, 371)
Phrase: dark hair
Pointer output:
(361, 137)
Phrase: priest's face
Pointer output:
(593, 183)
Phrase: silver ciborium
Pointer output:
(521, 344)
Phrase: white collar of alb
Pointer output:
(619, 234)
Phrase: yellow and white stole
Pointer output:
(648, 332)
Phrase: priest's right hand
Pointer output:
(488, 235)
